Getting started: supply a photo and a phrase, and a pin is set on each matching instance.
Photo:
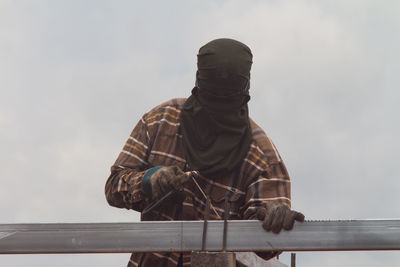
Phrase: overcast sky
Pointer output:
(75, 77)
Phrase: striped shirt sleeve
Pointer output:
(271, 182)
(123, 187)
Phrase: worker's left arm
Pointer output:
(268, 192)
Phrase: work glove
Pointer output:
(160, 180)
(276, 216)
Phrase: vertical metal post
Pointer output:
(293, 260)
(206, 216)
(226, 216)
(213, 259)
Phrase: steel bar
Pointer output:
(226, 215)
(206, 218)
(293, 260)
(187, 235)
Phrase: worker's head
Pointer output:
(223, 67)
(223, 73)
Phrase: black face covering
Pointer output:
(214, 119)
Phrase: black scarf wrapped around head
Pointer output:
(214, 119)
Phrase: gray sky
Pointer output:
(75, 76)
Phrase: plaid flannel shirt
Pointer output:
(156, 141)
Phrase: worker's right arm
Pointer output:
(124, 186)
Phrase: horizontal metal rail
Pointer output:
(187, 235)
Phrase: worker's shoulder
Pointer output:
(263, 144)
(171, 109)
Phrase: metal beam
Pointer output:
(187, 236)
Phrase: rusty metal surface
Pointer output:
(187, 236)
(213, 259)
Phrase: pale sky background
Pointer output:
(76, 76)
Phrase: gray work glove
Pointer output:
(276, 216)
(160, 180)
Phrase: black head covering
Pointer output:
(214, 119)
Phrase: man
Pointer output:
(204, 147)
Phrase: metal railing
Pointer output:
(187, 236)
